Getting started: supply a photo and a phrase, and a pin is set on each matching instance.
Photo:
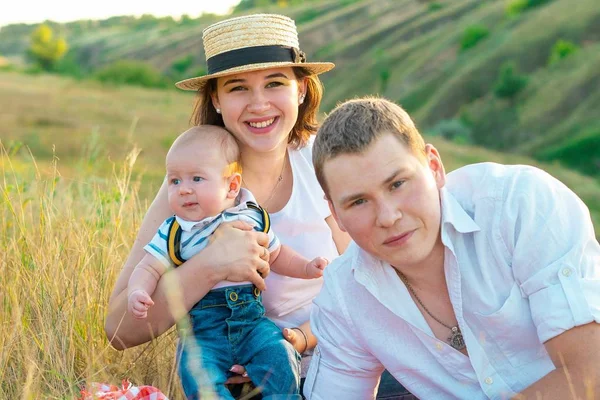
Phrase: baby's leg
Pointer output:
(203, 369)
(272, 363)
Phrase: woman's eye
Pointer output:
(197, 178)
(237, 89)
(274, 84)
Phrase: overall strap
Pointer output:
(264, 213)
(174, 243)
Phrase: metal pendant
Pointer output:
(456, 339)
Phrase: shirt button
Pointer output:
(489, 380)
(567, 272)
(439, 346)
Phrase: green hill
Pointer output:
(86, 127)
(442, 60)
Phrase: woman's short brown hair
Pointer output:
(204, 112)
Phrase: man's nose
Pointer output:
(387, 214)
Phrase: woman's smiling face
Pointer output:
(259, 108)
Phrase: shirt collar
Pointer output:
(242, 200)
(455, 215)
(380, 278)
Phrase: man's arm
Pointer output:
(340, 368)
(556, 261)
(576, 355)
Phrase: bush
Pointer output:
(578, 151)
(435, 5)
(452, 129)
(561, 49)
(516, 7)
(509, 82)
(131, 73)
(183, 64)
(473, 35)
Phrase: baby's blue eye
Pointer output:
(197, 178)
(175, 181)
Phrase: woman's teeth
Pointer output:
(262, 124)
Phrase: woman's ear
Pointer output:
(302, 89)
(235, 184)
(215, 101)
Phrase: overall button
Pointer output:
(233, 296)
(567, 272)
(489, 380)
(439, 346)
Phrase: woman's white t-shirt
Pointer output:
(300, 225)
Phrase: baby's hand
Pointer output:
(139, 303)
(314, 268)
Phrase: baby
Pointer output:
(204, 190)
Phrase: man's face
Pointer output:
(387, 199)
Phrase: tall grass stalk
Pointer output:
(62, 245)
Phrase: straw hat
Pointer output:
(251, 43)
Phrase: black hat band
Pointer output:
(254, 55)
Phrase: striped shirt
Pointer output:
(195, 234)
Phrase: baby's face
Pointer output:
(197, 185)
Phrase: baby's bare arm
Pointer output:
(146, 275)
(286, 261)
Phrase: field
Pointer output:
(71, 202)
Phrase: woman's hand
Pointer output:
(242, 253)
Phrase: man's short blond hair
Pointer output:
(211, 135)
(353, 125)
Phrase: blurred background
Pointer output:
(88, 111)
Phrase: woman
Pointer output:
(260, 87)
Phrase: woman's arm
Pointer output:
(234, 253)
(340, 238)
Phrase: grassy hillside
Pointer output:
(413, 52)
(71, 203)
(87, 126)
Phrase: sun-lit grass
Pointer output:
(70, 213)
(63, 243)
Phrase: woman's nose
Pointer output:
(258, 102)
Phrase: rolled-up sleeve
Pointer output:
(340, 367)
(556, 257)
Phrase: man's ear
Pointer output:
(435, 164)
(235, 184)
(335, 216)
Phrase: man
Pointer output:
(481, 284)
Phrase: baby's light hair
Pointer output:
(211, 135)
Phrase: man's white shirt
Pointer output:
(522, 266)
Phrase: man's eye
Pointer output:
(397, 184)
(197, 178)
(357, 202)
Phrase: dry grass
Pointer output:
(62, 245)
(67, 225)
